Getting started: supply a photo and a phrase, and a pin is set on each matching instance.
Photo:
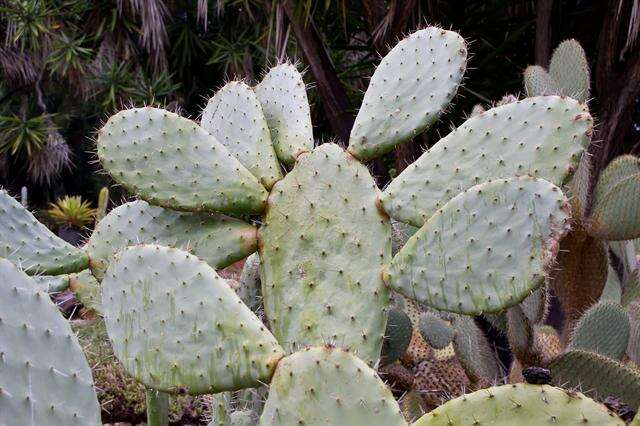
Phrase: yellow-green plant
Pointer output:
(73, 212)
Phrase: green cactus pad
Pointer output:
(633, 349)
(473, 350)
(175, 325)
(170, 161)
(44, 377)
(570, 69)
(30, 245)
(87, 290)
(234, 116)
(397, 336)
(322, 248)
(435, 331)
(283, 97)
(616, 205)
(542, 136)
(538, 82)
(486, 249)
(612, 289)
(249, 289)
(603, 329)
(409, 90)
(52, 283)
(579, 188)
(520, 404)
(328, 386)
(219, 240)
(598, 375)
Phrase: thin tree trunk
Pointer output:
(333, 95)
(617, 83)
(544, 31)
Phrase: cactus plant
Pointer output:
(397, 336)
(603, 329)
(28, 243)
(326, 385)
(522, 404)
(44, 377)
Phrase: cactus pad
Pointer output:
(170, 161)
(283, 97)
(52, 283)
(234, 116)
(603, 329)
(570, 69)
(249, 289)
(538, 82)
(520, 404)
(87, 290)
(473, 350)
(30, 245)
(397, 336)
(486, 249)
(219, 240)
(322, 247)
(616, 205)
(542, 136)
(176, 326)
(44, 377)
(328, 386)
(597, 374)
(408, 91)
(435, 331)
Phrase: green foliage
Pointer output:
(73, 212)
(23, 134)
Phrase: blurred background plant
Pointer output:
(71, 212)
(65, 65)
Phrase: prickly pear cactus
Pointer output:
(409, 90)
(596, 373)
(521, 404)
(172, 162)
(468, 257)
(542, 136)
(52, 283)
(217, 239)
(176, 326)
(397, 336)
(44, 377)
(616, 207)
(30, 244)
(87, 290)
(284, 101)
(234, 116)
(604, 328)
(328, 386)
(322, 247)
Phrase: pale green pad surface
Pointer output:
(408, 91)
(520, 404)
(218, 240)
(31, 245)
(486, 249)
(542, 136)
(538, 82)
(597, 375)
(234, 116)
(570, 69)
(176, 325)
(44, 377)
(328, 386)
(170, 161)
(616, 205)
(603, 329)
(322, 249)
(87, 290)
(283, 97)
(52, 283)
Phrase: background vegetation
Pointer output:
(66, 65)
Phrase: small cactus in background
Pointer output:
(71, 212)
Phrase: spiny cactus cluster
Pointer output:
(478, 222)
